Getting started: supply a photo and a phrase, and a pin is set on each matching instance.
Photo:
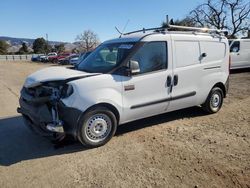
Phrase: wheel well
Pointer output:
(110, 107)
(222, 87)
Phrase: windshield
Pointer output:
(105, 57)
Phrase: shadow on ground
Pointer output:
(18, 143)
(237, 71)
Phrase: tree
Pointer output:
(232, 15)
(75, 51)
(88, 40)
(187, 21)
(59, 48)
(3, 47)
(23, 49)
(41, 46)
(240, 16)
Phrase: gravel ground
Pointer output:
(186, 148)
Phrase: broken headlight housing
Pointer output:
(66, 91)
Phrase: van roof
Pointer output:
(248, 39)
(135, 37)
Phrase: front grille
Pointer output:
(40, 91)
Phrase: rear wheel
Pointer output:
(214, 101)
(97, 127)
(54, 61)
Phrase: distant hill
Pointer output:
(18, 41)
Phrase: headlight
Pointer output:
(67, 90)
(31, 82)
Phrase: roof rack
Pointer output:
(169, 27)
(200, 29)
(156, 29)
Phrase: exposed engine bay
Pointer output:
(41, 106)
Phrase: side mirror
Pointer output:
(134, 67)
(235, 49)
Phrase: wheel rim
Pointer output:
(215, 101)
(98, 127)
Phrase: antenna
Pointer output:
(125, 26)
(167, 20)
(118, 30)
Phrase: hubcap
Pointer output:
(98, 127)
(215, 101)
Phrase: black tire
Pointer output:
(214, 101)
(54, 61)
(89, 126)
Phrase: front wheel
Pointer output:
(97, 127)
(214, 101)
(54, 61)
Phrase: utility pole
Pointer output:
(47, 40)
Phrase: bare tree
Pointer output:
(88, 40)
(187, 21)
(240, 16)
(223, 14)
(211, 13)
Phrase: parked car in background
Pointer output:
(61, 57)
(52, 57)
(66, 60)
(43, 58)
(35, 57)
(82, 56)
(74, 59)
(240, 53)
(138, 75)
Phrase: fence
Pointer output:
(16, 57)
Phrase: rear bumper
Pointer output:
(37, 116)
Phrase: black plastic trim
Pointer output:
(193, 93)
(215, 67)
(227, 85)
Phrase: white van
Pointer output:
(240, 53)
(138, 75)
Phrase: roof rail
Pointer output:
(169, 27)
(200, 29)
(148, 29)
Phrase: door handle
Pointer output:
(203, 55)
(169, 81)
(129, 87)
(175, 80)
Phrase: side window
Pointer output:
(151, 57)
(235, 47)
(187, 53)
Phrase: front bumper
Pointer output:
(37, 115)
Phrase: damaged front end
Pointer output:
(43, 110)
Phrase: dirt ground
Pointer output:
(186, 148)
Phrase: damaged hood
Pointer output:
(54, 74)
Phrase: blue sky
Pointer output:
(64, 19)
